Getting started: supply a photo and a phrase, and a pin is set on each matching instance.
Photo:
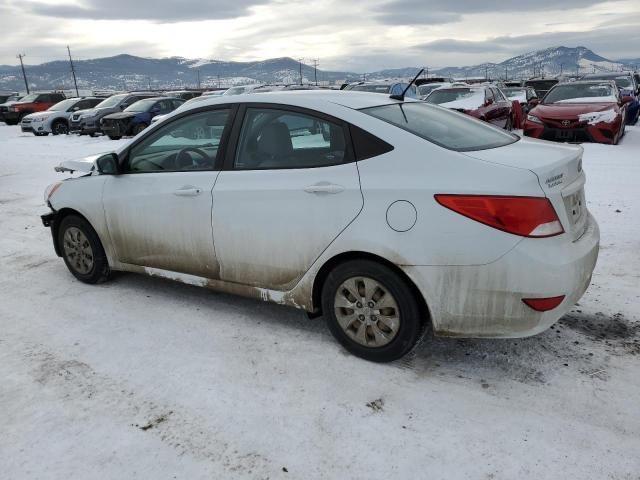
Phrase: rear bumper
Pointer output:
(486, 300)
(599, 133)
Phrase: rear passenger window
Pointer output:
(281, 139)
(367, 145)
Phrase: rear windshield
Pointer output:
(464, 98)
(581, 93)
(446, 128)
(623, 82)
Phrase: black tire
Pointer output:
(41, 134)
(59, 127)
(115, 137)
(139, 128)
(11, 122)
(411, 320)
(99, 269)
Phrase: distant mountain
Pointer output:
(549, 62)
(130, 72)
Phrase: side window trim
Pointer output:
(234, 139)
(224, 140)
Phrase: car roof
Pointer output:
(587, 81)
(607, 75)
(312, 99)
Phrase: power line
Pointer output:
(26, 84)
(73, 71)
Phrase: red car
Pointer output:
(35, 102)
(584, 111)
(487, 103)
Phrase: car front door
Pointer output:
(158, 209)
(289, 188)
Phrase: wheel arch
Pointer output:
(343, 257)
(55, 227)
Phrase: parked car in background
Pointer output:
(426, 88)
(56, 118)
(88, 122)
(629, 89)
(498, 251)
(240, 89)
(137, 117)
(541, 85)
(387, 88)
(484, 102)
(4, 107)
(7, 97)
(183, 94)
(35, 102)
(582, 111)
(525, 96)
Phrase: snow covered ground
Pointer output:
(145, 378)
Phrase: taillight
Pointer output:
(524, 216)
(543, 304)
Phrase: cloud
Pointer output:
(152, 10)
(434, 12)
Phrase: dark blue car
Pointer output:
(135, 118)
(629, 89)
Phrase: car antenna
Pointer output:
(401, 96)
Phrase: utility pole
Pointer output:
(26, 84)
(300, 67)
(316, 62)
(149, 82)
(218, 81)
(73, 71)
(486, 72)
(506, 73)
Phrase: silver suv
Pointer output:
(56, 119)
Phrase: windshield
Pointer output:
(369, 88)
(63, 105)
(29, 98)
(581, 93)
(141, 105)
(443, 127)
(111, 101)
(464, 98)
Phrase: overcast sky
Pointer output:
(355, 35)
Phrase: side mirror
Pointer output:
(155, 111)
(123, 106)
(489, 101)
(107, 164)
(534, 101)
(75, 109)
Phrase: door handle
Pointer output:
(324, 187)
(187, 192)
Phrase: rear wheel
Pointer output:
(82, 251)
(59, 127)
(371, 310)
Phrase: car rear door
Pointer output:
(289, 188)
(158, 210)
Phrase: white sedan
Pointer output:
(390, 218)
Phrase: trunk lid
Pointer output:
(559, 171)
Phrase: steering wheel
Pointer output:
(183, 156)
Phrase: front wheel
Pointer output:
(372, 311)
(59, 128)
(82, 251)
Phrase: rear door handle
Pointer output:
(187, 192)
(324, 187)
